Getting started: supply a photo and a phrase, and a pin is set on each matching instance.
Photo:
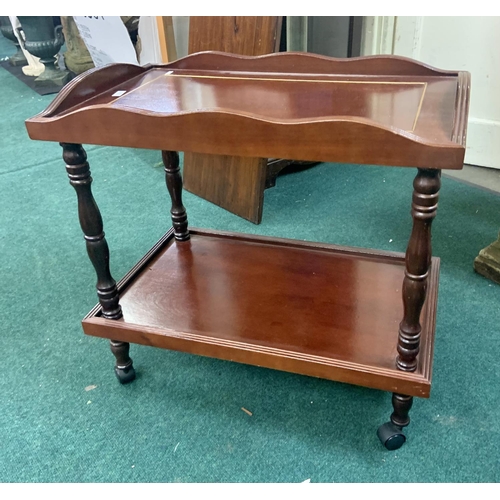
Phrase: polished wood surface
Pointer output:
(173, 180)
(384, 100)
(210, 296)
(378, 116)
(235, 183)
(418, 260)
(357, 316)
(78, 171)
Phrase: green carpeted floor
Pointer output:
(65, 418)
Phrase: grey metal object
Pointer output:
(296, 33)
(328, 35)
(44, 40)
(334, 36)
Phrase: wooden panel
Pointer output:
(319, 309)
(401, 120)
(234, 183)
(245, 35)
(387, 101)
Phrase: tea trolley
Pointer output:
(364, 317)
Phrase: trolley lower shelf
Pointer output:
(309, 308)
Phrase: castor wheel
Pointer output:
(391, 436)
(125, 375)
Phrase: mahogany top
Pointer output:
(377, 110)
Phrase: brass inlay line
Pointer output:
(316, 81)
(133, 90)
(286, 80)
(293, 79)
(419, 108)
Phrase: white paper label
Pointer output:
(106, 39)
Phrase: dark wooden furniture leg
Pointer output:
(173, 179)
(97, 248)
(418, 259)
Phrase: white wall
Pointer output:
(181, 34)
(455, 43)
(150, 47)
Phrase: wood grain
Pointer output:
(244, 35)
(234, 183)
(309, 308)
(415, 119)
(220, 304)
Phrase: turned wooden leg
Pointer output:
(174, 184)
(124, 369)
(402, 405)
(418, 259)
(97, 248)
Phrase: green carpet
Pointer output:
(181, 420)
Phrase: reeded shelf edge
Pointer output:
(459, 134)
(411, 384)
(376, 377)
